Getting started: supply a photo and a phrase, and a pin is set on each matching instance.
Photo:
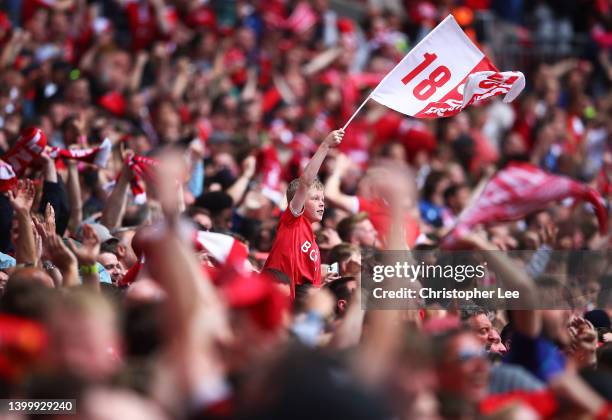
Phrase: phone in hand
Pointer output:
(333, 268)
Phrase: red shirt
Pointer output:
(380, 216)
(295, 252)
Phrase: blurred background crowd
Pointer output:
(99, 305)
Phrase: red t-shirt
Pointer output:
(380, 216)
(295, 251)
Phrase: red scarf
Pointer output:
(33, 142)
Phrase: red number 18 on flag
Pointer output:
(428, 86)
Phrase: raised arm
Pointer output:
(21, 200)
(87, 255)
(379, 347)
(311, 170)
(194, 315)
(527, 322)
(54, 193)
(74, 197)
(239, 188)
(117, 200)
(332, 186)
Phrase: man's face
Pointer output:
(555, 323)
(224, 219)
(315, 205)
(83, 343)
(496, 344)
(481, 326)
(543, 220)
(352, 266)
(112, 265)
(365, 234)
(464, 372)
(202, 221)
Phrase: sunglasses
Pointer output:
(467, 355)
(202, 227)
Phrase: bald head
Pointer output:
(31, 275)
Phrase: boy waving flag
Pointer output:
(295, 252)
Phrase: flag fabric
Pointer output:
(8, 179)
(223, 248)
(443, 74)
(302, 18)
(516, 191)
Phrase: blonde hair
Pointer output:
(293, 186)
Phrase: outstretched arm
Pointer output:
(195, 316)
(21, 200)
(332, 186)
(527, 322)
(312, 169)
(240, 187)
(117, 200)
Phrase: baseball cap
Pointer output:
(101, 230)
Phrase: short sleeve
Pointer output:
(363, 205)
(293, 212)
(288, 218)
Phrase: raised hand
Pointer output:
(342, 164)
(584, 340)
(22, 197)
(334, 138)
(171, 168)
(49, 219)
(80, 124)
(548, 235)
(87, 253)
(248, 166)
(59, 254)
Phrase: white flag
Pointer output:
(443, 74)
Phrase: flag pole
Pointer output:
(355, 113)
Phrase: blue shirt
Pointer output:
(6, 261)
(538, 355)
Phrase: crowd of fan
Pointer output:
(107, 298)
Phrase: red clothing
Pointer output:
(543, 402)
(295, 251)
(143, 24)
(380, 216)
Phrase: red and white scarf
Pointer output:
(33, 142)
(142, 168)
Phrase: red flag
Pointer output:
(302, 18)
(518, 190)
